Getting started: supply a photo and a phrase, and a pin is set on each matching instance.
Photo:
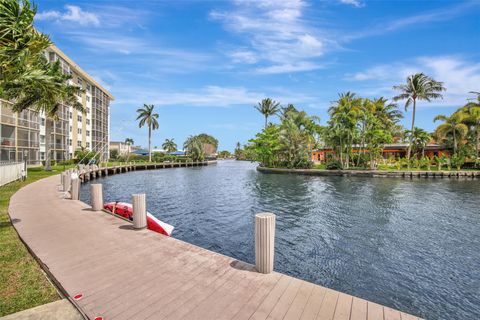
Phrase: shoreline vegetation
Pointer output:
(359, 129)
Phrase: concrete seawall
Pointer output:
(375, 173)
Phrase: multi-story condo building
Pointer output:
(24, 134)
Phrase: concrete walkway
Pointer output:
(127, 274)
(57, 310)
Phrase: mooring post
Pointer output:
(96, 194)
(75, 189)
(66, 181)
(264, 241)
(62, 176)
(139, 211)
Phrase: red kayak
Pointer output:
(125, 210)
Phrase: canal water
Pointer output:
(413, 245)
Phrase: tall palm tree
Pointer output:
(418, 87)
(344, 116)
(268, 107)
(129, 142)
(169, 145)
(472, 113)
(453, 126)
(146, 116)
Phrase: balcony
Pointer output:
(7, 142)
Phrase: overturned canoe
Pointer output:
(125, 210)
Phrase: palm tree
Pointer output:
(169, 145)
(268, 107)
(26, 77)
(129, 142)
(22, 54)
(472, 113)
(453, 126)
(146, 116)
(345, 114)
(418, 87)
(420, 138)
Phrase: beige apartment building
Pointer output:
(24, 134)
(122, 147)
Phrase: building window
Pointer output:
(88, 121)
(88, 144)
(88, 98)
(79, 130)
(69, 142)
(42, 121)
(42, 155)
(79, 118)
(70, 114)
(42, 138)
(79, 81)
(70, 128)
(88, 133)
(89, 87)
(79, 144)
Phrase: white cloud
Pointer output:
(278, 39)
(443, 14)
(207, 96)
(355, 3)
(288, 68)
(72, 14)
(458, 74)
(244, 56)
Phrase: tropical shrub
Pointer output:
(85, 156)
(114, 154)
(66, 162)
(333, 165)
(194, 147)
(360, 159)
(440, 161)
(457, 161)
(424, 162)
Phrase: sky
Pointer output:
(205, 64)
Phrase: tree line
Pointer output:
(197, 147)
(365, 125)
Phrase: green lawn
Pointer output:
(23, 285)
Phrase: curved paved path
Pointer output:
(127, 274)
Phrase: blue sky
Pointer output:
(205, 64)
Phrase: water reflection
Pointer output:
(409, 244)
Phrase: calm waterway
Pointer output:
(413, 245)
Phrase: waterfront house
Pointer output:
(396, 150)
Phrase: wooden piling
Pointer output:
(264, 242)
(66, 181)
(139, 211)
(75, 189)
(96, 194)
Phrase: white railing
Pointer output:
(10, 171)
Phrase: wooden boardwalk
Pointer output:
(128, 274)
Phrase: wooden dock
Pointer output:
(122, 273)
(87, 172)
